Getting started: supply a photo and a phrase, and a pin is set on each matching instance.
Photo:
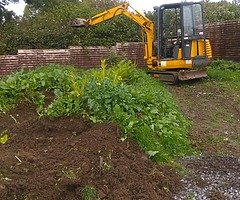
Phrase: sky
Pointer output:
(140, 5)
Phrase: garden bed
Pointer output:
(72, 158)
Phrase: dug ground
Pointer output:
(77, 158)
(72, 158)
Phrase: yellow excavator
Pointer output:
(175, 44)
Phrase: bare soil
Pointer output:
(215, 115)
(58, 158)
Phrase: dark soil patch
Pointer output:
(58, 158)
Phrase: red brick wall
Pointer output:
(77, 56)
(88, 56)
(34, 57)
(132, 51)
(8, 64)
(225, 39)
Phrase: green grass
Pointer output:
(89, 193)
(141, 106)
(223, 70)
(226, 74)
(220, 116)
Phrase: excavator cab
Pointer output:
(180, 36)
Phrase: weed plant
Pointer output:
(141, 106)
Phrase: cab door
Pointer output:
(180, 31)
(193, 37)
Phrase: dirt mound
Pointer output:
(62, 158)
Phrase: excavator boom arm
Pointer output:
(116, 11)
(146, 24)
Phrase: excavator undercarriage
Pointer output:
(174, 77)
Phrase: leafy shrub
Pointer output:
(89, 193)
(225, 65)
(140, 105)
(113, 59)
(224, 70)
(29, 85)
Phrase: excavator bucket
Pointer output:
(184, 75)
(79, 22)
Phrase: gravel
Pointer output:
(211, 177)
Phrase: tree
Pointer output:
(34, 6)
(6, 15)
(47, 4)
(237, 2)
(102, 4)
(51, 29)
(221, 11)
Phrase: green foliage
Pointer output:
(40, 5)
(6, 15)
(51, 29)
(227, 65)
(113, 59)
(27, 86)
(221, 11)
(140, 105)
(89, 193)
(224, 70)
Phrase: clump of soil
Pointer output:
(59, 158)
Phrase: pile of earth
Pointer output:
(59, 158)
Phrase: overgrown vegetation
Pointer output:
(224, 70)
(226, 74)
(140, 105)
(221, 11)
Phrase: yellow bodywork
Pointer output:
(197, 50)
(153, 63)
(199, 44)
